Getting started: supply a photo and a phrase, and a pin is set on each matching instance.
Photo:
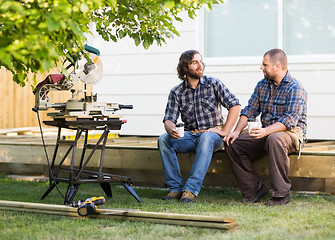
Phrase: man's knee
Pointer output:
(277, 139)
(227, 147)
(163, 139)
(211, 139)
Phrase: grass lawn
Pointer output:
(305, 217)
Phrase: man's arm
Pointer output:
(257, 132)
(231, 120)
(263, 132)
(232, 117)
(170, 128)
(296, 100)
(171, 115)
(241, 124)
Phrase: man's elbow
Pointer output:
(235, 109)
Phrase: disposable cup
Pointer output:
(180, 129)
(252, 124)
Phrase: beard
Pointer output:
(195, 74)
(267, 76)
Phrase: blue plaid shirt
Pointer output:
(285, 103)
(199, 108)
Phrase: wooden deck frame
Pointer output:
(314, 171)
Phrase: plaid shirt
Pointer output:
(285, 103)
(199, 108)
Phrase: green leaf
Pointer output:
(113, 38)
(137, 40)
(169, 4)
(191, 14)
(146, 44)
(122, 34)
(5, 59)
(52, 25)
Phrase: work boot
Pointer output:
(261, 192)
(172, 195)
(276, 201)
(187, 197)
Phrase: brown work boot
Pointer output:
(261, 192)
(172, 195)
(276, 201)
(187, 197)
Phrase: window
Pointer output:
(309, 27)
(249, 28)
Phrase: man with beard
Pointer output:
(282, 102)
(198, 100)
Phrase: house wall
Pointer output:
(143, 78)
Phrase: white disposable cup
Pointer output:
(252, 124)
(180, 129)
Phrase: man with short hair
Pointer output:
(282, 103)
(198, 99)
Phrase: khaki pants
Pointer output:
(246, 149)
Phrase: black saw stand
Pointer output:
(76, 174)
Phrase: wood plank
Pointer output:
(319, 143)
(319, 146)
(330, 185)
(216, 222)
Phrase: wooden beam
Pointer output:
(215, 222)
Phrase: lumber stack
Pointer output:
(215, 222)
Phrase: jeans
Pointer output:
(204, 145)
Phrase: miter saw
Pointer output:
(85, 68)
(82, 115)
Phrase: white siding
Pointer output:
(143, 78)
